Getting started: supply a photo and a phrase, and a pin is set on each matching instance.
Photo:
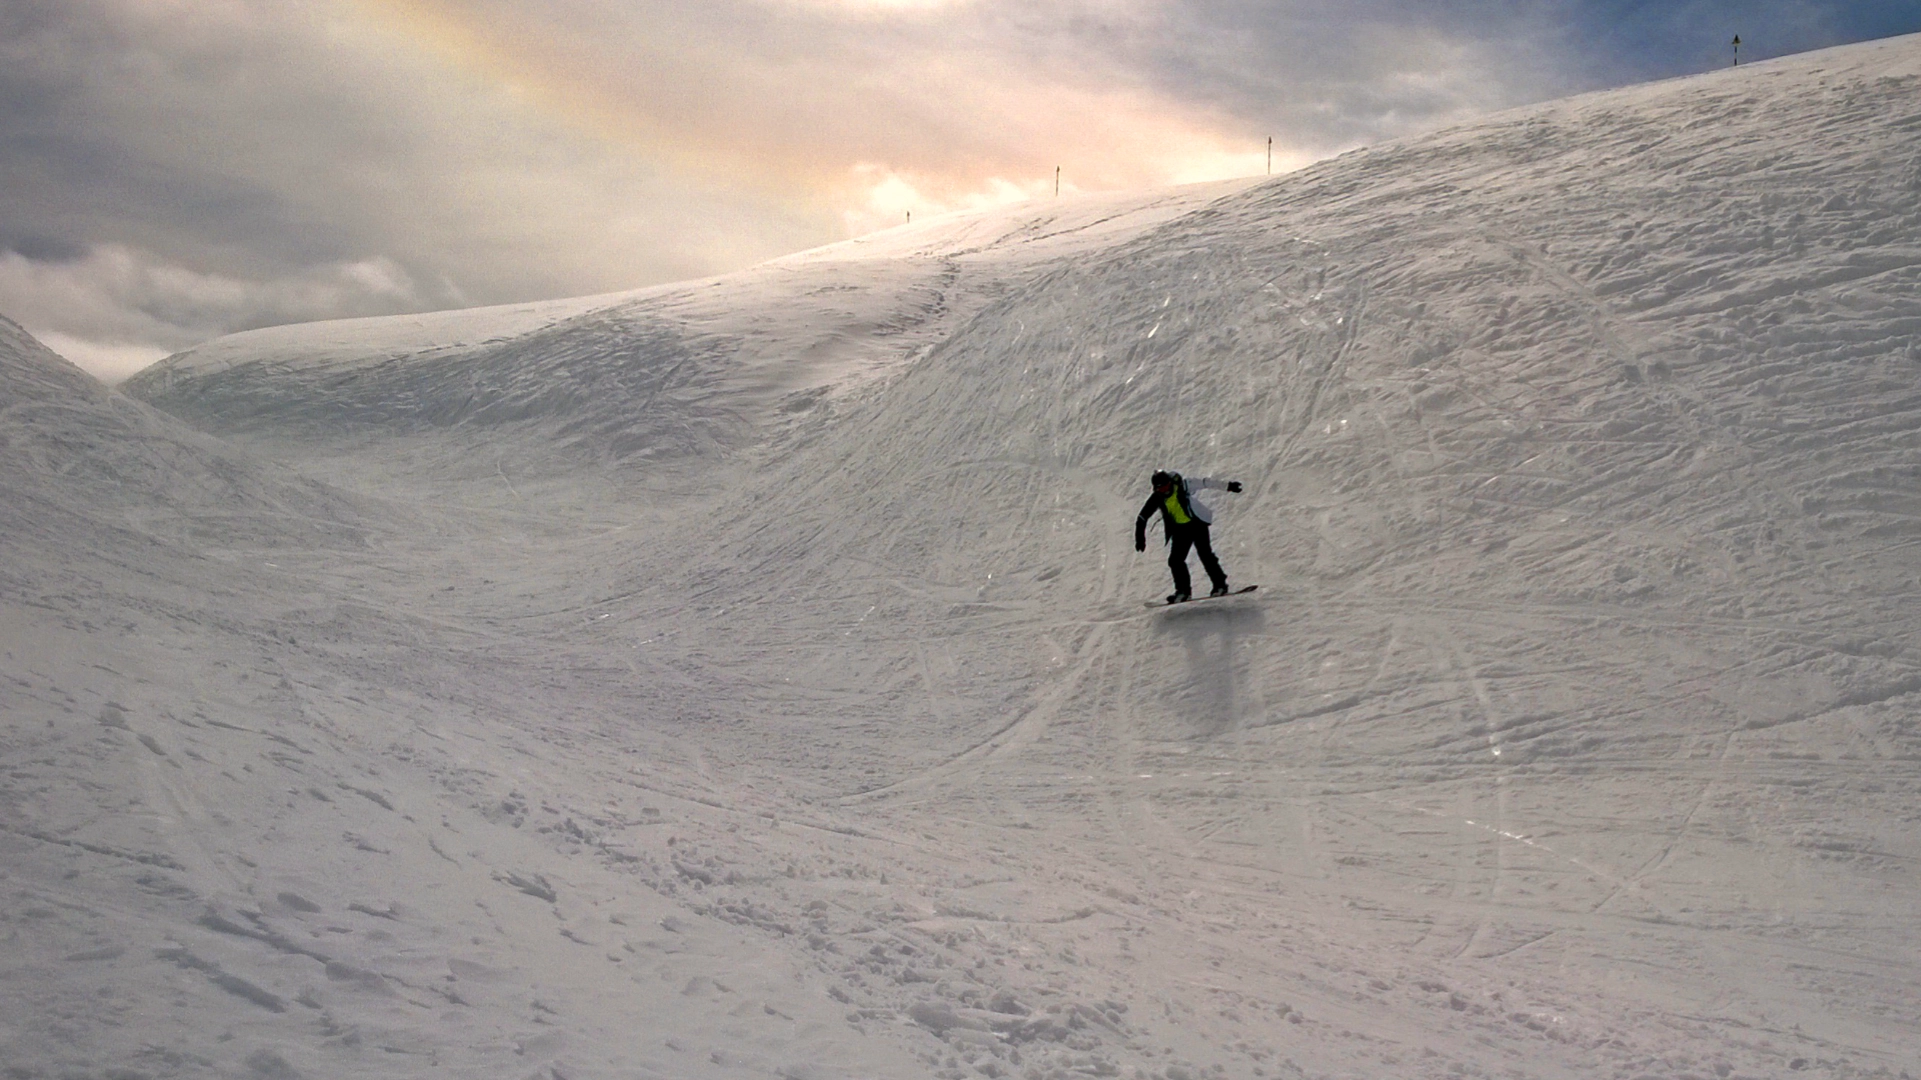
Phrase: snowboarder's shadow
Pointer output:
(1213, 635)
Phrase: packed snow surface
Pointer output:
(750, 678)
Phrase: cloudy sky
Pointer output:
(171, 170)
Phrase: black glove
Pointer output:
(1140, 543)
(1233, 485)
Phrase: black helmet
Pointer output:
(1163, 477)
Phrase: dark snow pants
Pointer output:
(1194, 535)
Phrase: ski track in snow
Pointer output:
(748, 678)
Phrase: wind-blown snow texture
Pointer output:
(748, 678)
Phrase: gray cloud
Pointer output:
(169, 175)
(130, 295)
(172, 172)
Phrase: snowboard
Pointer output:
(1198, 599)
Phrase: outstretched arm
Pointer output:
(1217, 485)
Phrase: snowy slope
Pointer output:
(211, 865)
(800, 716)
(1582, 467)
(74, 448)
(654, 382)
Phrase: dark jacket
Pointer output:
(1197, 513)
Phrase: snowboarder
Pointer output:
(1184, 524)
